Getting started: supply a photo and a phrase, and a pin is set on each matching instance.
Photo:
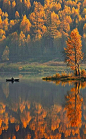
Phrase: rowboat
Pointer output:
(12, 80)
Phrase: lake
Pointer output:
(36, 109)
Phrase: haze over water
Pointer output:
(35, 109)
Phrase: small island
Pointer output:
(73, 57)
(64, 77)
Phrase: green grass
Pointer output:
(46, 68)
(32, 67)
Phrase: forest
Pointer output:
(32, 29)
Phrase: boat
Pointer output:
(12, 80)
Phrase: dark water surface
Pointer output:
(35, 109)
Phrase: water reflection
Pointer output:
(25, 117)
(73, 105)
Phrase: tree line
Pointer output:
(33, 28)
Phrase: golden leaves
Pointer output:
(13, 4)
(27, 3)
(84, 29)
(73, 50)
(17, 14)
(25, 24)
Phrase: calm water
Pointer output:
(35, 109)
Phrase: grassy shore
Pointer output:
(33, 67)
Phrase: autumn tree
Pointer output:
(65, 21)
(37, 20)
(5, 55)
(73, 51)
(53, 24)
(25, 25)
(17, 15)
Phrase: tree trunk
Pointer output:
(75, 62)
(78, 70)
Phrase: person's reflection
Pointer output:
(73, 105)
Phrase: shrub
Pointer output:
(70, 74)
(58, 75)
(64, 74)
(83, 72)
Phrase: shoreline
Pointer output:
(64, 78)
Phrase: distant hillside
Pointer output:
(32, 29)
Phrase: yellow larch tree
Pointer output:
(37, 21)
(22, 39)
(1, 25)
(74, 51)
(27, 3)
(84, 3)
(25, 25)
(13, 4)
(5, 24)
(2, 32)
(84, 28)
(0, 11)
(17, 15)
(64, 15)
(53, 24)
(5, 56)
(12, 23)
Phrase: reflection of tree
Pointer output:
(73, 106)
(25, 119)
(5, 88)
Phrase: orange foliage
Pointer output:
(17, 127)
(0, 130)
(25, 118)
(12, 23)
(84, 28)
(13, 137)
(5, 24)
(84, 3)
(25, 24)
(0, 11)
(6, 14)
(2, 32)
(1, 26)
(13, 4)
(12, 119)
(17, 14)
(28, 136)
(73, 50)
(3, 37)
(9, 3)
(37, 20)
(22, 39)
(83, 85)
(73, 106)
(27, 3)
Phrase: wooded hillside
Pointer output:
(31, 28)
